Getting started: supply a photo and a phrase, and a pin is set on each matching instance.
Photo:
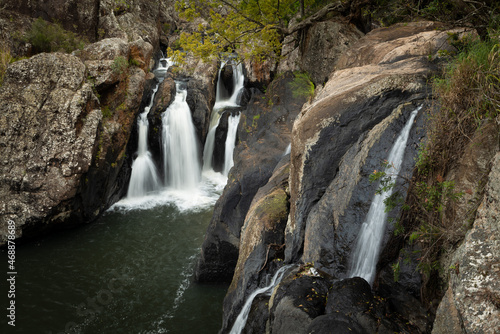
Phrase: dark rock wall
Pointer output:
(264, 133)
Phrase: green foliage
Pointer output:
(252, 28)
(302, 85)
(51, 37)
(133, 62)
(106, 112)
(119, 65)
(396, 270)
(5, 60)
(468, 94)
(429, 199)
(121, 6)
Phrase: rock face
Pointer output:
(317, 50)
(333, 223)
(262, 239)
(350, 105)
(264, 133)
(65, 127)
(472, 302)
(49, 125)
(338, 139)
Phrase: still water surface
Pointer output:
(129, 272)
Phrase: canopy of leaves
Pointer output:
(252, 28)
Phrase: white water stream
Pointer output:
(372, 231)
(144, 177)
(220, 104)
(180, 151)
(232, 128)
(241, 320)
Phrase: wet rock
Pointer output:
(264, 133)
(352, 103)
(334, 222)
(163, 98)
(220, 138)
(261, 243)
(349, 295)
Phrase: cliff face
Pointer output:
(65, 124)
(338, 139)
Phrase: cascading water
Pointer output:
(288, 149)
(144, 177)
(241, 320)
(208, 150)
(232, 128)
(163, 66)
(220, 104)
(372, 231)
(180, 151)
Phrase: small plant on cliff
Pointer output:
(302, 86)
(119, 65)
(51, 37)
(5, 60)
(430, 229)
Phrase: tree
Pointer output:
(251, 28)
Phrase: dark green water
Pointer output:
(129, 272)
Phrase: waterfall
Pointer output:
(241, 320)
(288, 149)
(238, 82)
(163, 66)
(208, 150)
(180, 152)
(222, 102)
(144, 176)
(232, 127)
(372, 231)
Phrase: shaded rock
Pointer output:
(263, 133)
(74, 15)
(259, 74)
(226, 78)
(334, 222)
(262, 241)
(316, 51)
(405, 311)
(349, 295)
(334, 324)
(296, 301)
(472, 299)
